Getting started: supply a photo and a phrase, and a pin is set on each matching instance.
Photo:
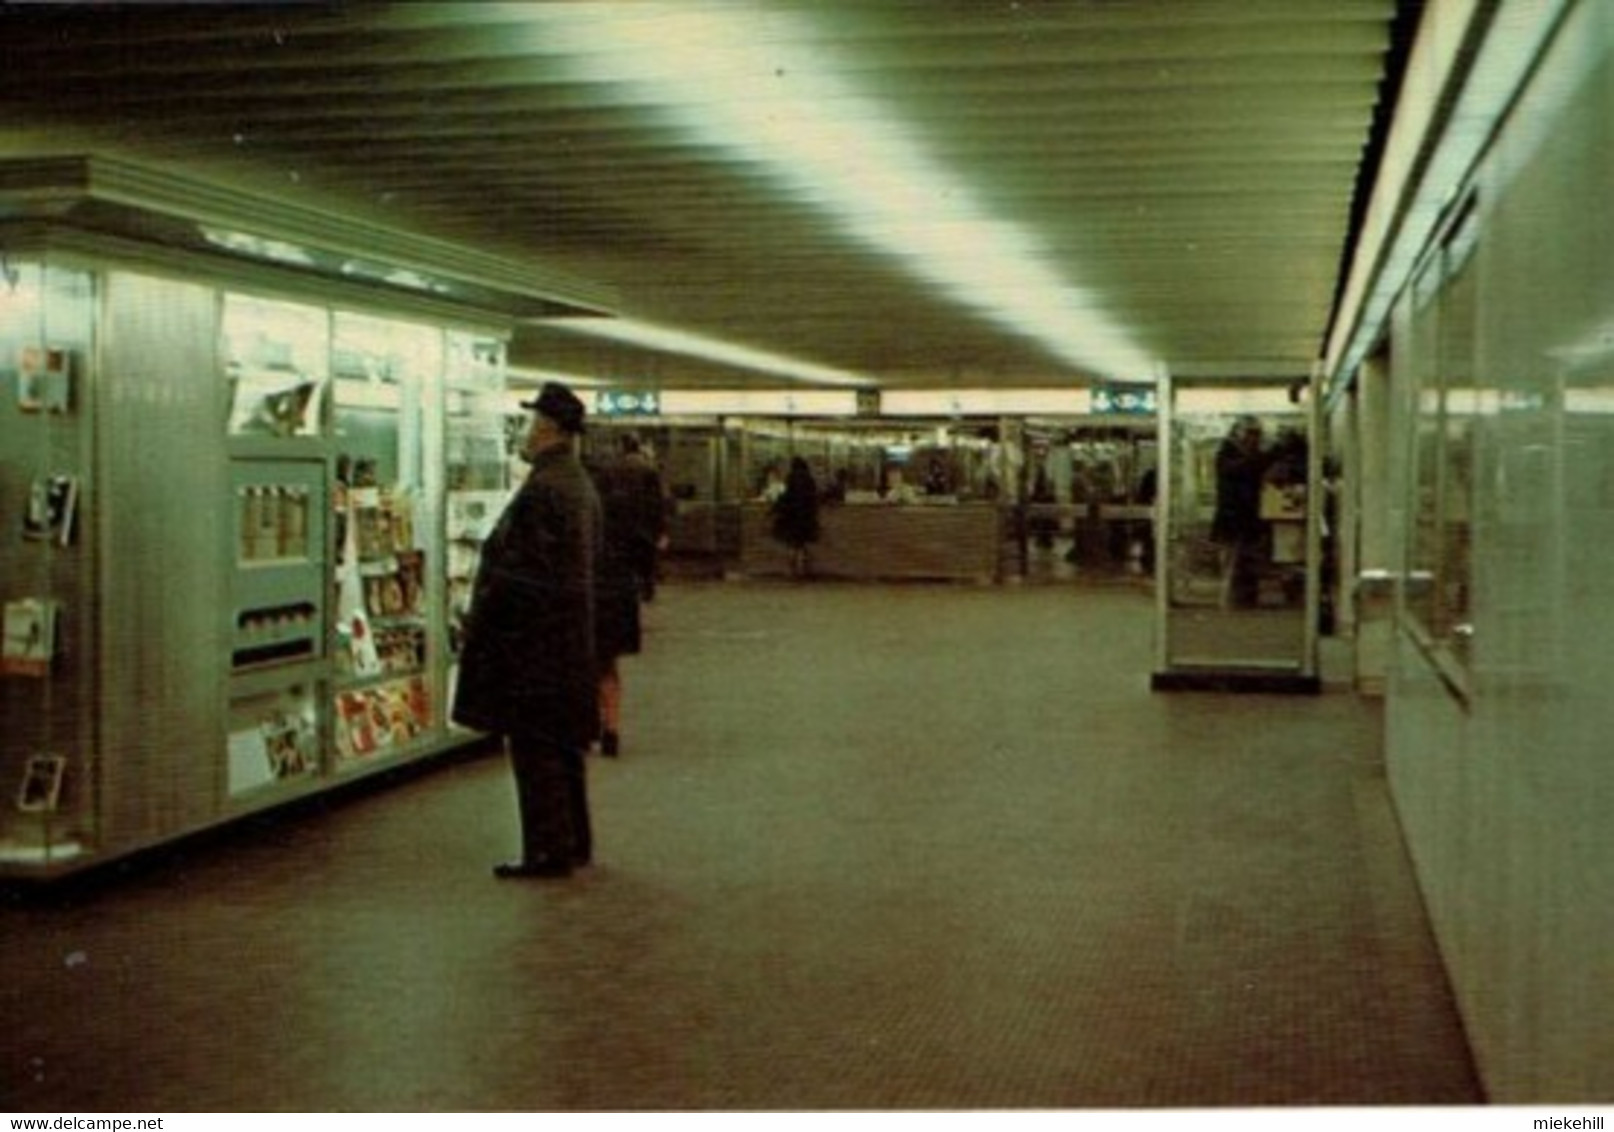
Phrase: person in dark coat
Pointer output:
(528, 669)
(646, 509)
(631, 500)
(1236, 526)
(795, 515)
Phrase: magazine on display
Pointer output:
(30, 637)
(275, 402)
(377, 719)
(289, 743)
(357, 637)
(52, 509)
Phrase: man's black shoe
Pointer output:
(533, 869)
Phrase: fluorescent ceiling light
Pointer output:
(701, 346)
(1213, 400)
(759, 402)
(984, 402)
(748, 79)
(535, 378)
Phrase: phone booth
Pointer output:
(1237, 576)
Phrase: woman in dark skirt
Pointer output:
(795, 516)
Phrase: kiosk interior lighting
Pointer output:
(258, 247)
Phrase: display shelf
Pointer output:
(384, 717)
(254, 682)
(330, 515)
(42, 853)
(277, 614)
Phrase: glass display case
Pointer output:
(476, 474)
(224, 552)
(289, 552)
(384, 557)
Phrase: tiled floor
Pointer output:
(868, 847)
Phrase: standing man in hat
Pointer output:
(528, 669)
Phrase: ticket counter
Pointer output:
(876, 541)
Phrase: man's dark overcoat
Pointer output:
(528, 662)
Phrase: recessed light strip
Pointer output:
(674, 341)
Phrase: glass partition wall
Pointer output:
(1075, 493)
(1238, 524)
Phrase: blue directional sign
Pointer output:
(628, 403)
(1133, 400)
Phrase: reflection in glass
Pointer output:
(277, 362)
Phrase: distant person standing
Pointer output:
(528, 670)
(646, 507)
(795, 516)
(1236, 526)
(630, 499)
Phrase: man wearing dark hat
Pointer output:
(527, 668)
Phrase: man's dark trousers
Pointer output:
(552, 793)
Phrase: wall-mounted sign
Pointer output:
(868, 402)
(628, 403)
(1136, 400)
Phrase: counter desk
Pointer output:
(944, 541)
(702, 529)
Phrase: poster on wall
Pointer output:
(41, 788)
(52, 508)
(44, 379)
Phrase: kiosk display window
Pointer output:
(277, 364)
(384, 553)
(476, 472)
